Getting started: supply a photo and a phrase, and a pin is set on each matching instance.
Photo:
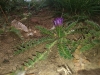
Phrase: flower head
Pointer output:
(58, 21)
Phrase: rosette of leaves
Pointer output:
(58, 36)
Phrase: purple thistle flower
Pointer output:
(58, 21)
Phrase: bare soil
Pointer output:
(50, 66)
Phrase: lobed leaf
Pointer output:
(87, 47)
(64, 51)
(29, 44)
(38, 57)
(44, 30)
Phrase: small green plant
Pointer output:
(58, 36)
(90, 37)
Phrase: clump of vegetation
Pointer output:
(9, 5)
(13, 5)
(89, 7)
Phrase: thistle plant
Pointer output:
(67, 46)
(54, 37)
(58, 36)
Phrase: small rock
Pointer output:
(19, 25)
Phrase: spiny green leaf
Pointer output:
(49, 46)
(93, 24)
(29, 44)
(64, 51)
(26, 64)
(38, 57)
(70, 26)
(87, 47)
(96, 41)
(44, 30)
